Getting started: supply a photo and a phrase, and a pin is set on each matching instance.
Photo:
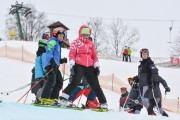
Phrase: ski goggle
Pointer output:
(123, 88)
(144, 50)
(60, 32)
(85, 31)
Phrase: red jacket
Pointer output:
(125, 51)
(82, 51)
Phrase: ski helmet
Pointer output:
(144, 50)
(130, 79)
(58, 31)
(45, 36)
(123, 88)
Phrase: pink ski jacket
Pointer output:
(82, 51)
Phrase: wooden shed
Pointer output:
(59, 24)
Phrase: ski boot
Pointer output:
(66, 103)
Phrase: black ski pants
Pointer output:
(92, 79)
(53, 85)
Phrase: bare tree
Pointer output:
(175, 50)
(121, 35)
(33, 25)
(98, 34)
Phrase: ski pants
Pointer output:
(92, 79)
(53, 85)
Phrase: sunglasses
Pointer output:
(123, 89)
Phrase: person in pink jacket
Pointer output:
(83, 61)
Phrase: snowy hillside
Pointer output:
(20, 74)
(14, 74)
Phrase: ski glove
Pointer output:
(72, 71)
(136, 79)
(97, 71)
(96, 64)
(53, 63)
(63, 60)
(136, 101)
(71, 64)
(167, 89)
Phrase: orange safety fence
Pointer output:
(110, 82)
(171, 105)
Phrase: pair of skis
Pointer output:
(71, 108)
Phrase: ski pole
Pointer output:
(155, 101)
(81, 97)
(35, 84)
(20, 88)
(63, 70)
(26, 98)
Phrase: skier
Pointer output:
(52, 62)
(122, 100)
(39, 71)
(84, 88)
(125, 54)
(135, 103)
(84, 62)
(149, 80)
(129, 54)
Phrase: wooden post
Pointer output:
(5, 49)
(178, 106)
(112, 81)
(22, 52)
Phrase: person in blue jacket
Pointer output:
(39, 71)
(54, 82)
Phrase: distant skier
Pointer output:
(149, 80)
(39, 71)
(125, 54)
(84, 62)
(129, 54)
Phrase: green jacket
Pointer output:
(129, 51)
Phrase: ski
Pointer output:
(100, 110)
(58, 106)
(71, 108)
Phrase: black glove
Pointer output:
(167, 89)
(40, 51)
(63, 60)
(97, 71)
(72, 71)
(136, 79)
(53, 63)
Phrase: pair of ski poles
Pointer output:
(36, 83)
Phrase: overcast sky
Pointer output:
(154, 34)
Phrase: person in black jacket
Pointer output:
(149, 80)
(135, 103)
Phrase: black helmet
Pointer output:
(144, 50)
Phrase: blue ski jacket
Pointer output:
(53, 50)
(39, 66)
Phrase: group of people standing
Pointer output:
(127, 54)
(84, 67)
(83, 62)
(145, 90)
